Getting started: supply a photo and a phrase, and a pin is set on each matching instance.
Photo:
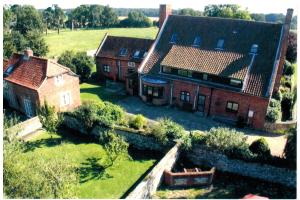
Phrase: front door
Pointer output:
(201, 103)
(28, 107)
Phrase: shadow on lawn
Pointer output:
(91, 169)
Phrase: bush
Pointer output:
(286, 82)
(137, 122)
(224, 139)
(287, 104)
(48, 117)
(277, 95)
(261, 148)
(273, 111)
(198, 137)
(291, 53)
(288, 68)
(110, 115)
(290, 149)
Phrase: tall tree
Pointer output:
(226, 11)
(109, 17)
(59, 17)
(48, 18)
(258, 17)
(291, 53)
(190, 12)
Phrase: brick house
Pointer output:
(225, 68)
(30, 80)
(118, 58)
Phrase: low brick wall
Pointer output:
(189, 178)
(26, 127)
(199, 155)
(149, 185)
(273, 127)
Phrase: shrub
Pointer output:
(291, 53)
(290, 149)
(274, 103)
(277, 95)
(110, 115)
(137, 122)
(287, 104)
(286, 82)
(273, 114)
(48, 117)
(198, 137)
(224, 139)
(159, 132)
(10, 120)
(288, 68)
(261, 148)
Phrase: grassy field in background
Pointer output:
(84, 40)
(85, 154)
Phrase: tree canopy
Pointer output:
(226, 11)
(136, 19)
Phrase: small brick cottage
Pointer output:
(224, 68)
(30, 80)
(118, 59)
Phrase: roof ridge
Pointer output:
(127, 37)
(228, 19)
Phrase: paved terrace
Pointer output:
(192, 121)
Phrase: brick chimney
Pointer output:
(28, 52)
(284, 44)
(164, 11)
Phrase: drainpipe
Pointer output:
(171, 94)
(196, 94)
(210, 99)
(140, 84)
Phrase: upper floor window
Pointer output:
(136, 54)
(145, 54)
(59, 79)
(184, 73)
(167, 69)
(220, 44)
(197, 41)
(173, 38)
(123, 52)
(232, 106)
(106, 68)
(185, 96)
(204, 76)
(254, 48)
(131, 64)
(235, 82)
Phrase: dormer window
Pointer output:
(220, 44)
(145, 54)
(123, 52)
(9, 70)
(136, 54)
(197, 41)
(173, 38)
(204, 77)
(254, 48)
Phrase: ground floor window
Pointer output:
(185, 96)
(106, 68)
(153, 91)
(65, 98)
(232, 106)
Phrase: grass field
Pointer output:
(84, 40)
(96, 92)
(85, 153)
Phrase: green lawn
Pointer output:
(84, 153)
(84, 40)
(96, 92)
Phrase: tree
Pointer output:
(80, 15)
(290, 149)
(37, 43)
(59, 17)
(7, 18)
(8, 45)
(48, 117)
(226, 11)
(95, 19)
(48, 18)
(190, 12)
(109, 17)
(260, 17)
(291, 53)
(28, 19)
(79, 61)
(136, 19)
(114, 146)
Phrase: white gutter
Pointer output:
(275, 66)
(140, 70)
(101, 44)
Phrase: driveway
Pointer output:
(193, 121)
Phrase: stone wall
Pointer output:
(273, 127)
(201, 156)
(146, 188)
(26, 127)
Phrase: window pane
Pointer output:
(205, 77)
(235, 106)
(229, 105)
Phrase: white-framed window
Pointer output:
(145, 54)
(205, 76)
(220, 44)
(185, 73)
(185, 96)
(59, 80)
(232, 106)
(167, 69)
(235, 82)
(131, 64)
(136, 54)
(197, 41)
(106, 68)
(65, 98)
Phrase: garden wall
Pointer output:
(273, 127)
(146, 188)
(26, 127)
(199, 155)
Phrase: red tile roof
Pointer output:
(113, 44)
(32, 72)
(221, 63)
(238, 35)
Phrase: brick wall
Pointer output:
(26, 127)
(179, 86)
(52, 93)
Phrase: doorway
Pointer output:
(201, 103)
